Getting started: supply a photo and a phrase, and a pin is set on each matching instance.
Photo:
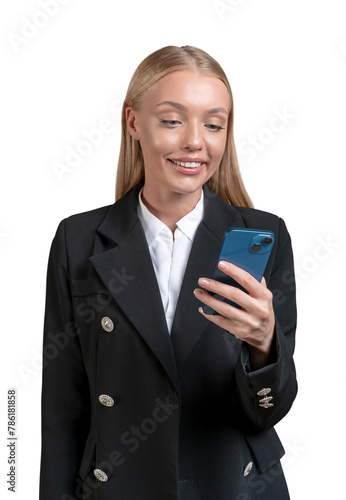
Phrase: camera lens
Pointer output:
(267, 240)
(256, 247)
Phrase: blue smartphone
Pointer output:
(246, 248)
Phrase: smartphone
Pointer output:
(246, 248)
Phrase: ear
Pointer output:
(131, 121)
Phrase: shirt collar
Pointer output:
(190, 222)
(153, 226)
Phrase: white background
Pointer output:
(66, 76)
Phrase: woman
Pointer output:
(144, 396)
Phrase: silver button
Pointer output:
(107, 324)
(266, 399)
(248, 469)
(266, 405)
(106, 400)
(100, 475)
(264, 391)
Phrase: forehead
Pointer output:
(189, 88)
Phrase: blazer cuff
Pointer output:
(266, 394)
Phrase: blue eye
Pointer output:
(215, 128)
(171, 123)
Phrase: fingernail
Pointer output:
(198, 292)
(203, 281)
(222, 265)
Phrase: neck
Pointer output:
(172, 207)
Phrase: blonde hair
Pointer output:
(226, 182)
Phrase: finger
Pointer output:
(242, 277)
(229, 292)
(221, 321)
(219, 306)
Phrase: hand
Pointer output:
(254, 322)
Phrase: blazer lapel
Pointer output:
(189, 324)
(128, 273)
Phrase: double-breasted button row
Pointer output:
(265, 401)
(105, 400)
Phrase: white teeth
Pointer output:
(187, 164)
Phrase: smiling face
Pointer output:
(181, 125)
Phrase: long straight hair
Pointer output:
(226, 182)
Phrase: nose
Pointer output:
(192, 138)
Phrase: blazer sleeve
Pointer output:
(65, 390)
(265, 396)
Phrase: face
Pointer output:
(181, 125)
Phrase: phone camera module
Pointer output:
(256, 247)
(267, 241)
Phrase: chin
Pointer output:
(188, 188)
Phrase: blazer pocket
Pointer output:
(91, 302)
(89, 457)
(266, 448)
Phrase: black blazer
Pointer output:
(132, 413)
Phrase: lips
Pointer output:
(188, 164)
(188, 167)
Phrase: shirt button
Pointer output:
(107, 324)
(100, 475)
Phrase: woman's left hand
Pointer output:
(254, 322)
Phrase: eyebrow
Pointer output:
(217, 110)
(177, 105)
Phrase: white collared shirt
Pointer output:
(170, 255)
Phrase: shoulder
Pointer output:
(89, 220)
(222, 214)
(83, 223)
(75, 235)
(110, 222)
(109, 215)
(253, 217)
